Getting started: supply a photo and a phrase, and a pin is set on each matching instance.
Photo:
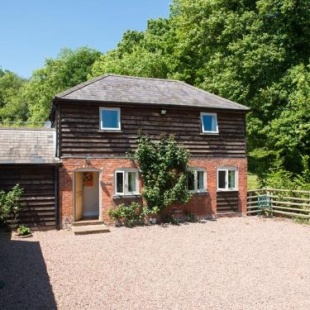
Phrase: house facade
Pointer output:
(97, 124)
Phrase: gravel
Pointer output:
(231, 263)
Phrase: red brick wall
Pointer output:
(200, 204)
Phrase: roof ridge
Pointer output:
(143, 78)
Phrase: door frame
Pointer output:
(80, 170)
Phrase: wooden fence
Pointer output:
(288, 203)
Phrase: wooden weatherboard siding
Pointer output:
(38, 182)
(227, 201)
(79, 134)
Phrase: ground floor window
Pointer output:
(196, 180)
(227, 178)
(126, 182)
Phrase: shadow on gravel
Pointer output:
(24, 282)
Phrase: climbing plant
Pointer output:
(162, 166)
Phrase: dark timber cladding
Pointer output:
(38, 182)
(227, 201)
(80, 134)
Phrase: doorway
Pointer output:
(86, 195)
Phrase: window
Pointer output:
(126, 182)
(209, 123)
(227, 179)
(110, 119)
(196, 180)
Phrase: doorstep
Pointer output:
(227, 214)
(89, 227)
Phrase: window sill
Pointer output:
(107, 130)
(227, 190)
(126, 196)
(209, 133)
(200, 193)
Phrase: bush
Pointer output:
(23, 230)
(131, 215)
(10, 205)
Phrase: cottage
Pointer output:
(27, 158)
(97, 123)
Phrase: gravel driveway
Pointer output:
(231, 263)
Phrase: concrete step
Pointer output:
(227, 214)
(87, 222)
(90, 229)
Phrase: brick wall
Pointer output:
(203, 204)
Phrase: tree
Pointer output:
(70, 68)
(250, 52)
(147, 54)
(13, 109)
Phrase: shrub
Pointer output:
(23, 230)
(130, 215)
(10, 205)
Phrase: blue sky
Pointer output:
(33, 30)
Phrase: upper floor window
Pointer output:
(110, 118)
(196, 180)
(209, 123)
(227, 179)
(126, 182)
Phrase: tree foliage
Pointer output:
(162, 166)
(70, 68)
(13, 109)
(145, 54)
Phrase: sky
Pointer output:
(33, 30)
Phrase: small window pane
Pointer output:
(200, 181)
(119, 182)
(132, 185)
(222, 179)
(209, 123)
(110, 119)
(231, 179)
(191, 181)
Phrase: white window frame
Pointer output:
(195, 172)
(118, 110)
(125, 190)
(202, 114)
(227, 170)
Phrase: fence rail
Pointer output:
(289, 203)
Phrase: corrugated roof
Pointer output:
(27, 146)
(137, 90)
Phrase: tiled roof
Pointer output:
(137, 90)
(27, 146)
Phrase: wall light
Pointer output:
(163, 112)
